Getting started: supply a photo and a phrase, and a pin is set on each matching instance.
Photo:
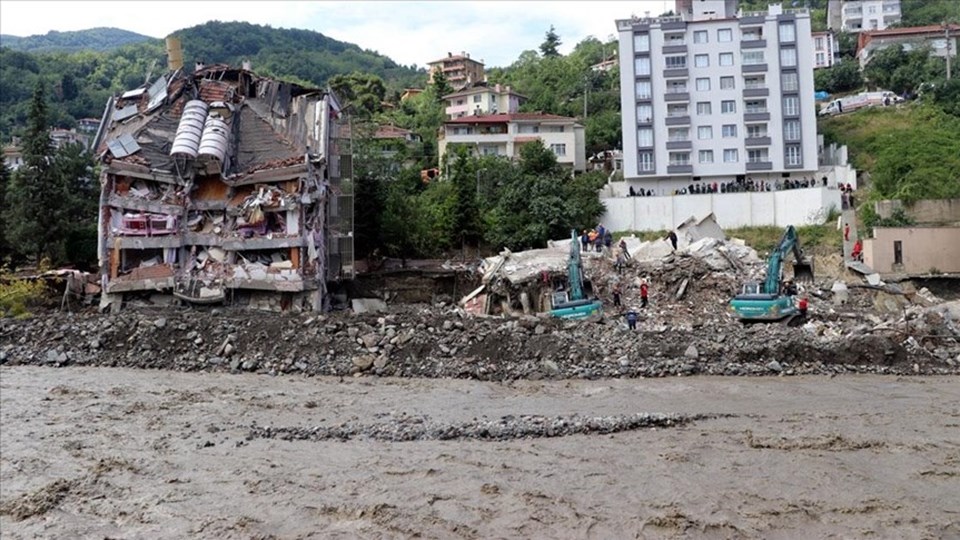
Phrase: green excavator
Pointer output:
(572, 303)
(775, 298)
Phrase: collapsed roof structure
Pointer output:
(222, 183)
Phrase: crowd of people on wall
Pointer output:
(741, 185)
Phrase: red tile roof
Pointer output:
(512, 117)
(932, 29)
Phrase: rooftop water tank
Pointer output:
(190, 129)
(215, 136)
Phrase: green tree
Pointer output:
(369, 171)
(842, 77)
(4, 183)
(946, 94)
(551, 43)
(440, 85)
(37, 198)
(362, 90)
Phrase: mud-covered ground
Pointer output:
(119, 453)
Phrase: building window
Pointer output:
(788, 57)
(728, 106)
(644, 90)
(642, 65)
(676, 87)
(641, 42)
(727, 83)
(678, 134)
(676, 62)
(674, 39)
(730, 155)
(489, 150)
(819, 43)
(477, 98)
(725, 35)
(460, 102)
(726, 59)
(872, 10)
(791, 130)
(757, 155)
(679, 158)
(756, 106)
(755, 131)
(897, 252)
(821, 59)
(645, 161)
(755, 81)
(751, 58)
(645, 137)
(528, 128)
(789, 81)
(706, 156)
(703, 84)
(701, 60)
(559, 149)
(729, 131)
(788, 32)
(791, 106)
(644, 113)
(703, 107)
(793, 155)
(677, 109)
(705, 132)
(700, 36)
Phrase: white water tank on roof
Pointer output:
(190, 129)
(216, 133)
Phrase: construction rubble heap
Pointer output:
(687, 328)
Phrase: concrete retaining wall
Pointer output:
(808, 206)
(924, 211)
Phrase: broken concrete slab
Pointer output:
(368, 305)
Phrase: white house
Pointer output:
(857, 15)
(482, 99)
(504, 134)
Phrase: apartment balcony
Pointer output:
(752, 18)
(759, 43)
(757, 141)
(675, 73)
(476, 138)
(673, 97)
(754, 68)
(679, 144)
(680, 168)
(675, 48)
(677, 120)
(756, 91)
(758, 116)
(759, 166)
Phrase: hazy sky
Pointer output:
(408, 32)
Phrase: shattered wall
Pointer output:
(922, 250)
(221, 181)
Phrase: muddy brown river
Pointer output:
(116, 453)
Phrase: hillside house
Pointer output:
(480, 99)
(504, 134)
(942, 40)
(223, 185)
(460, 70)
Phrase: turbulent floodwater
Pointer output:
(99, 452)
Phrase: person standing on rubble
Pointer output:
(672, 236)
(644, 291)
(584, 240)
(608, 240)
(616, 295)
(623, 248)
(632, 319)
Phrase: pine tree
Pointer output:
(441, 84)
(550, 44)
(37, 198)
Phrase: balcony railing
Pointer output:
(679, 139)
(754, 86)
(677, 90)
(750, 110)
(679, 163)
(678, 113)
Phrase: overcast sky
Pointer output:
(408, 32)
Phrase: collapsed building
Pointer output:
(221, 185)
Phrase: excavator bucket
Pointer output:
(803, 271)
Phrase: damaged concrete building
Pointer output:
(221, 185)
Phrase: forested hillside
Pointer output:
(93, 39)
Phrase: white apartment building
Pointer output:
(709, 96)
(857, 15)
(504, 134)
(825, 50)
(482, 99)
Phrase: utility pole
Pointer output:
(946, 31)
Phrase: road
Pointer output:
(101, 452)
